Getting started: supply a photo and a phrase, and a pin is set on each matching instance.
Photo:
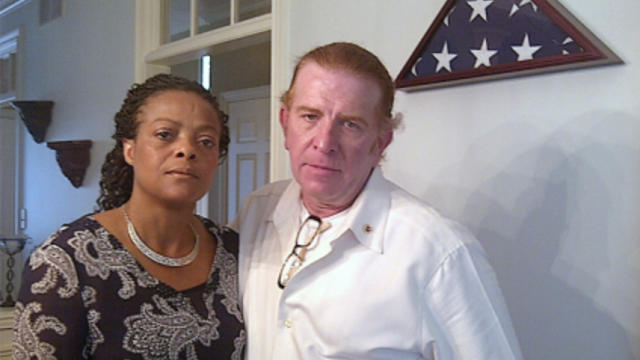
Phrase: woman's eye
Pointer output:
(163, 134)
(209, 143)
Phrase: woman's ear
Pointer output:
(128, 150)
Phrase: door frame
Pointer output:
(221, 183)
(153, 57)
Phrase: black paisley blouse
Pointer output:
(84, 296)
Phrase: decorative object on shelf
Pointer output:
(73, 158)
(471, 41)
(36, 115)
(11, 247)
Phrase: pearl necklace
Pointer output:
(159, 258)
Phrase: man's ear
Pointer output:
(384, 139)
(284, 114)
(128, 150)
(284, 122)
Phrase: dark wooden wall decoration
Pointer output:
(36, 115)
(478, 40)
(73, 158)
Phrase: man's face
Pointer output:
(333, 135)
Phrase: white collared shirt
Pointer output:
(397, 282)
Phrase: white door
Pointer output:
(247, 165)
(249, 148)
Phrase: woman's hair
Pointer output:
(116, 183)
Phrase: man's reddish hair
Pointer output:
(350, 57)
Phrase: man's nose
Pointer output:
(326, 137)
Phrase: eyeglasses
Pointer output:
(295, 259)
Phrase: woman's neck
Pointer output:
(166, 229)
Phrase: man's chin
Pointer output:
(324, 192)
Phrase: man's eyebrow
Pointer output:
(304, 108)
(343, 117)
(351, 117)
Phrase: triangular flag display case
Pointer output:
(477, 40)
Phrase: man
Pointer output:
(342, 264)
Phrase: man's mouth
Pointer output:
(322, 167)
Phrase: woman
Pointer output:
(144, 278)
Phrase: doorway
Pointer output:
(248, 158)
(239, 76)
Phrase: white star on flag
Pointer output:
(533, 5)
(479, 8)
(413, 69)
(525, 51)
(444, 58)
(566, 41)
(446, 19)
(514, 9)
(483, 55)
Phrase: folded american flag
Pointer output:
(472, 38)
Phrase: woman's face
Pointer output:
(175, 152)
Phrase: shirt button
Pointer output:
(288, 323)
(367, 228)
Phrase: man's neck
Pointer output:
(324, 210)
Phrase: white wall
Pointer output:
(84, 63)
(543, 169)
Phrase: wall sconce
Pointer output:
(73, 158)
(11, 247)
(36, 115)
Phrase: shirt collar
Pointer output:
(285, 214)
(367, 216)
(288, 206)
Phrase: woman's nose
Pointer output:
(186, 148)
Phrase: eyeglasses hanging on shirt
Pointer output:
(311, 226)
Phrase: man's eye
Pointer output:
(310, 117)
(351, 124)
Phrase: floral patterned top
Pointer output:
(84, 296)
